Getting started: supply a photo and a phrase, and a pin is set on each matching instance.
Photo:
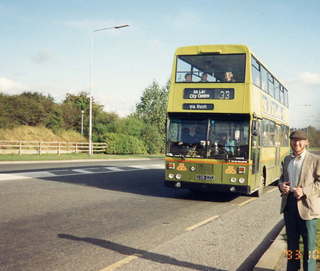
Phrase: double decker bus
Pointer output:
(227, 121)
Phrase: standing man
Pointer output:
(300, 191)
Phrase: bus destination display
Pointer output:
(209, 93)
(197, 106)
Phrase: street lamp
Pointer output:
(82, 112)
(91, 80)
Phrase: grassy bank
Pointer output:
(30, 133)
(79, 156)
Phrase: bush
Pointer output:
(153, 139)
(123, 144)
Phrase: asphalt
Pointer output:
(273, 258)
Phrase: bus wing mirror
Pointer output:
(255, 128)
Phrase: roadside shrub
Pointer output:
(153, 139)
(123, 144)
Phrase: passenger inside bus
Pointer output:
(228, 77)
(204, 77)
(226, 144)
(188, 77)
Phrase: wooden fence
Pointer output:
(40, 147)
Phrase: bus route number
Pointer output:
(209, 93)
(225, 94)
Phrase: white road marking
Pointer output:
(67, 172)
(36, 174)
(114, 169)
(82, 171)
(148, 166)
(139, 166)
(8, 177)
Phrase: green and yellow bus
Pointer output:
(227, 121)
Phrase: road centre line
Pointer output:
(121, 263)
(202, 223)
(246, 202)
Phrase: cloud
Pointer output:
(310, 78)
(8, 85)
(42, 57)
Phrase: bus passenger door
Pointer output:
(277, 153)
(255, 152)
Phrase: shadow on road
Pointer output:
(140, 253)
(143, 182)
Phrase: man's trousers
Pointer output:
(296, 227)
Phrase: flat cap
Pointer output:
(298, 134)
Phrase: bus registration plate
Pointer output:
(204, 177)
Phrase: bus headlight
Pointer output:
(171, 176)
(178, 176)
(193, 168)
(242, 180)
(233, 179)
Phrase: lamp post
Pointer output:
(91, 79)
(82, 112)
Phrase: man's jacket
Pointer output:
(309, 204)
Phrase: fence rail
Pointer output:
(40, 147)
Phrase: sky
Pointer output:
(51, 47)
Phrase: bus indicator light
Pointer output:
(241, 170)
(171, 165)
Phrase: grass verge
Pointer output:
(79, 156)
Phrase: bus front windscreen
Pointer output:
(208, 138)
(214, 68)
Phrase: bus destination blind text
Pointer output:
(209, 93)
(197, 106)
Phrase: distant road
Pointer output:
(119, 216)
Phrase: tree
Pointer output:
(152, 110)
(153, 105)
(313, 136)
(103, 123)
(71, 108)
(131, 125)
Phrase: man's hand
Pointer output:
(284, 187)
(298, 192)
